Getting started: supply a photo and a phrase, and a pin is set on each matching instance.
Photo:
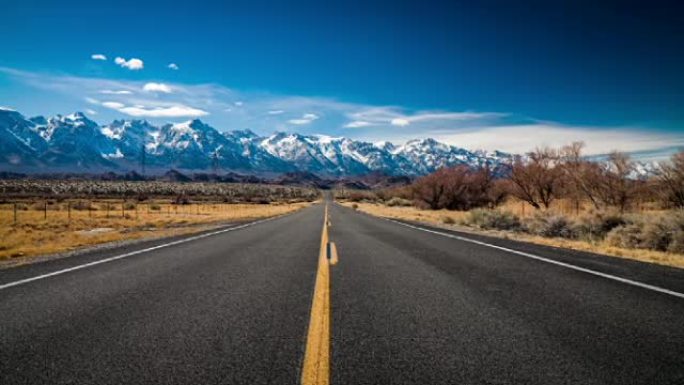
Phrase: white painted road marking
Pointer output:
(132, 253)
(547, 260)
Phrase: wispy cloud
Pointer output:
(157, 87)
(305, 119)
(263, 112)
(98, 56)
(178, 111)
(132, 64)
(116, 92)
(173, 66)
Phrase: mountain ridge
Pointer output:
(75, 142)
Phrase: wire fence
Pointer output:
(21, 212)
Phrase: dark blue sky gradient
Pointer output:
(575, 62)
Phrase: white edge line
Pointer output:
(547, 260)
(132, 253)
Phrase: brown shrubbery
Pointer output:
(608, 196)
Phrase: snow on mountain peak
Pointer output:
(195, 145)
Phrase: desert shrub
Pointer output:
(38, 206)
(398, 202)
(551, 226)
(81, 205)
(155, 207)
(447, 220)
(129, 206)
(181, 200)
(627, 236)
(656, 235)
(493, 219)
(597, 225)
(677, 242)
(355, 206)
(22, 206)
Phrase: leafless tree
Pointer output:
(670, 180)
(536, 179)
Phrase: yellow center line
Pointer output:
(316, 369)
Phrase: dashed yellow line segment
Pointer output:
(316, 369)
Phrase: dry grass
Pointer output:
(34, 235)
(437, 218)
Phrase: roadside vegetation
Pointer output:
(555, 197)
(48, 217)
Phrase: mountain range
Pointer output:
(74, 143)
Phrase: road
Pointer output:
(406, 305)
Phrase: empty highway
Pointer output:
(259, 303)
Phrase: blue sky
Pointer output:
(490, 74)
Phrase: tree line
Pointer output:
(545, 175)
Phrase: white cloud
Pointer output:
(91, 112)
(305, 119)
(239, 103)
(132, 64)
(473, 130)
(116, 92)
(113, 105)
(358, 124)
(525, 137)
(401, 122)
(157, 87)
(164, 112)
(98, 56)
(173, 66)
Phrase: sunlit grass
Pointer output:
(61, 227)
(451, 219)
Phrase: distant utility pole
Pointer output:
(142, 159)
(215, 162)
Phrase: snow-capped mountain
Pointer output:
(75, 143)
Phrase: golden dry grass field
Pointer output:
(71, 225)
(454, 219)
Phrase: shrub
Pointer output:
(447, 220)
(656, 235)
(551, 226)
(598, 225)
(627, 236)
(81, 205)
(400, 202)
(155, 207)
(355, 206)
(493, 219)
(677, 244)
(129, 206)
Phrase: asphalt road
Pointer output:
(408, 307)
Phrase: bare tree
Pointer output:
(616, 185)
(670, 180)
(536, 179)
(580, 173)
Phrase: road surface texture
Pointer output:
(408, 306)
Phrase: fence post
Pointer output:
(107, 206)
(45, 211)
(123, 213)
(15, 213)
(69, 212)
